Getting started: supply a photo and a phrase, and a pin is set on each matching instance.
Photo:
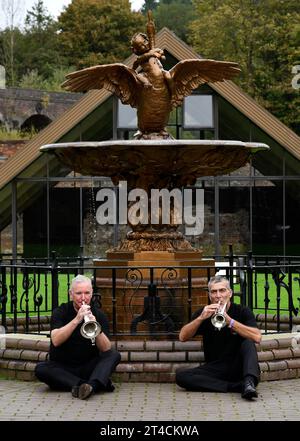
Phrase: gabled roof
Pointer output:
(167, 40)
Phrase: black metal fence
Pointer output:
(153, 300)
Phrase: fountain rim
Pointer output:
(255, 146)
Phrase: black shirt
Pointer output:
(223, 344)
(77, 349)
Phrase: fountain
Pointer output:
(153, 160)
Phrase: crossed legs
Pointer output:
(222, 375)
(96, 372)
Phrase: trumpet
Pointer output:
(90, 328)
(218, 319)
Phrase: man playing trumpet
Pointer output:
(78, 362)
(229, 349)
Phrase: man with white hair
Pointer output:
(75, 364)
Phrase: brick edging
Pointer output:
(153, 361)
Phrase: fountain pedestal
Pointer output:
(136, 273)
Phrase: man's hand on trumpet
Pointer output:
(210, 310)
(85, 311)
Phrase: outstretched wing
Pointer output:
(117, 78)
(187, 75)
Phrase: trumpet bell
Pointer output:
(90, 329)
(218, 321)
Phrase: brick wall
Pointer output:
(154, 361)
(9, 148)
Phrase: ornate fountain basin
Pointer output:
(155, 164)
(158, 163)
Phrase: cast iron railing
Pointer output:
(157, 299)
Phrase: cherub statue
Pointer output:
(147, 86)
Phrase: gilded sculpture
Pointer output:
(153, 91)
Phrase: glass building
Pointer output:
(45, 206)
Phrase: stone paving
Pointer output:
(33, 401)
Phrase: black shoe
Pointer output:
(110, 387)
(83, 391)
(249, 390)
(74, 392)
(235, 387)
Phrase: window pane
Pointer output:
(234, 219)
(32, 200)
(198, 112)
(206, 240)
(292, 206)
(126, 116)
(268, 162)
(291, 165)
(64, 213)
(267, 217)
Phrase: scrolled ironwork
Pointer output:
(172, 274)
(36, 290)
(3, 296)
(278, 276)
(297, 279)
(152, 313)
(27, 284)
(133, 275)
(158, 316)
(266, 289)
(13, 296)
(38, 300)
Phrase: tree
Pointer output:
(98, 31)
(36, 55)
(32, 80)
(38, 19)
(9, 48)
(175, 15)
(40, 43)
(149, 5)
(262, 37)
(11, 10)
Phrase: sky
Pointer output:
(54, 7)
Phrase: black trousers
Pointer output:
(222, 375)
(60, 376)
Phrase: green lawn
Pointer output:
(259, 295)
(45, 293)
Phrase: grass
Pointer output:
(44, 292)
(259, 295)
(15, 135)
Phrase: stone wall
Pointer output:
(153, 361)
(17, 105)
